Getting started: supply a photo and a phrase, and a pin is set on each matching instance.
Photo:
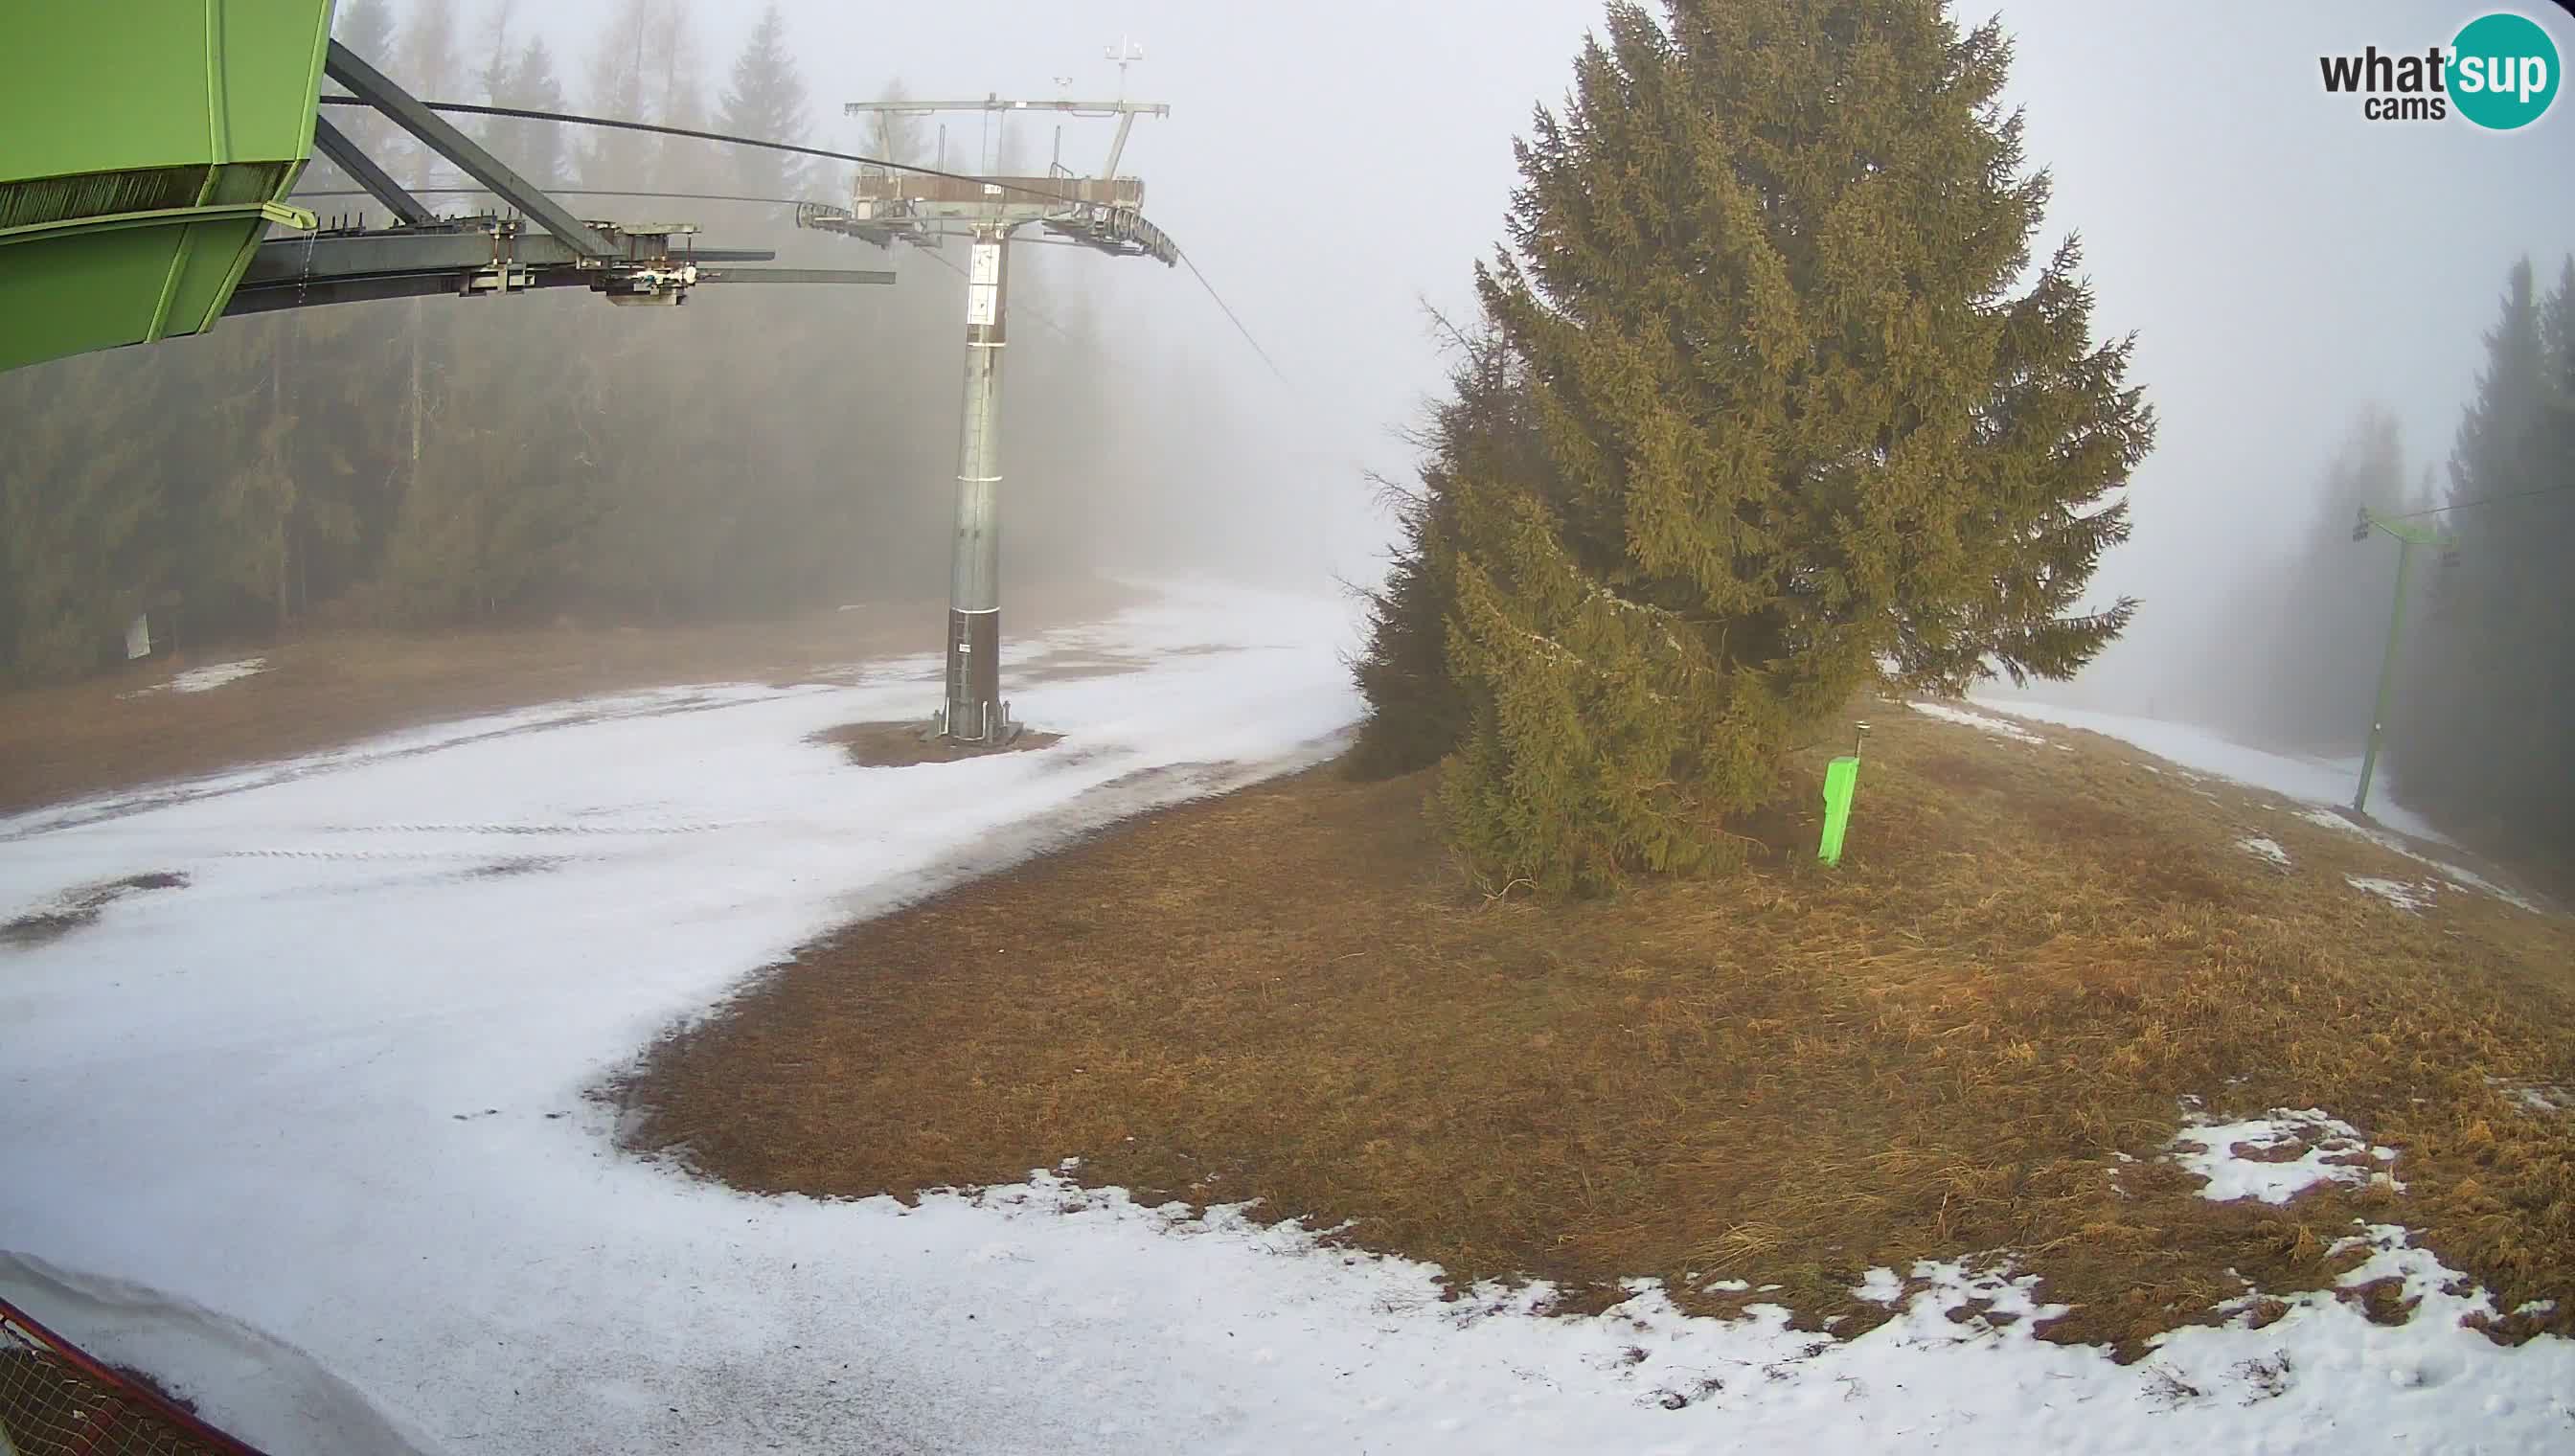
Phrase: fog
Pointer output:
(1335, 167)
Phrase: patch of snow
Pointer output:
(2255, 1383)
(2308, 780)
(2462, 878)
(1880, 1286)
(2466, 880)
(2542, 1098)
(2267, 849)
(2332, 1151)
(329, 1098)
(2413, 899)
(2000, 728)
(204, 680)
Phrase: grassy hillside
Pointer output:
(1982, 1034)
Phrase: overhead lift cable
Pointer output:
(567, 118)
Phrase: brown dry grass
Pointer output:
(1786, 1075)
(333, 687)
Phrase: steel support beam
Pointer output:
(479, 256)
(371, 288)
(474, 244)
(375, 288)
(980, 196)
(795, 275)
(975, 711)
(435, 132)
(362, 170)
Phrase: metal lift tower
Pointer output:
(1103, 211)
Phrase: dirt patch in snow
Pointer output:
(78, 908)
(329, 689)
(903, 744)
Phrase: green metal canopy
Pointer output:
(145, 148)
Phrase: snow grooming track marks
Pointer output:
(273, 1131)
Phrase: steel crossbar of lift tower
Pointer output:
(130, 215)
(480, 255)
(889, 206)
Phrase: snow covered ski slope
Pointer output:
(292, 1113)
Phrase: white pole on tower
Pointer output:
(1123, 53)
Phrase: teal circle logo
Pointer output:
(2503, 71)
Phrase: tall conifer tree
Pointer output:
(2480, 732)
(766, 98)
(1811, 423)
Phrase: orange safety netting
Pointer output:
(57, 1401)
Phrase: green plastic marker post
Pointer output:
(1842, 780)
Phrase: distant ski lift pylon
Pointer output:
(891, 204)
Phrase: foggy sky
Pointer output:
(1332, 163)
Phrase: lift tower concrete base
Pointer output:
(887, 207)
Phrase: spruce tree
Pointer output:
(535, 147)
(1418, 712)
(84, 521)
(892, 135)
(766, 98)
(2478, 739)
(367, 27)
(426, 62)
(616, 88)
(1813, 426)
(2316, 627)
(681, 164)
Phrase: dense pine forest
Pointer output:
(2485, 677)
(438, 462)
